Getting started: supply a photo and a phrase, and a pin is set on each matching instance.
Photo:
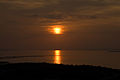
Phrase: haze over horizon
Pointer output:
(86, 24)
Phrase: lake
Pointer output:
(76, 57)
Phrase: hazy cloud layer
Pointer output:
(88, 23)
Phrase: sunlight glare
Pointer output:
(57, 29)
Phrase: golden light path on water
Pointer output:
(57, 58)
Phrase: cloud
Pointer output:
(33, 11)
(23, 20)
(88, 8)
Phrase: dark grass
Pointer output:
(46, 71)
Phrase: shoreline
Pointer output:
(48, 71)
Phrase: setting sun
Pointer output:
(57, 30)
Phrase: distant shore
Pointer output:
(46, 71)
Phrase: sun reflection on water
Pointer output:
(57, 58)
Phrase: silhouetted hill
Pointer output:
(45, 71)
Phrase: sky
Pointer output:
(88, 24)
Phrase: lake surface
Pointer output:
(79, 57)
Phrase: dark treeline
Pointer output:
(45, 71)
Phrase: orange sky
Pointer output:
(88, 24)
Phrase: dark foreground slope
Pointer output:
(45, 71)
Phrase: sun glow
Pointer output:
(57, 29)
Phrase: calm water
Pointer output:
(99, 58)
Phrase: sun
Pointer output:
(57, 30)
